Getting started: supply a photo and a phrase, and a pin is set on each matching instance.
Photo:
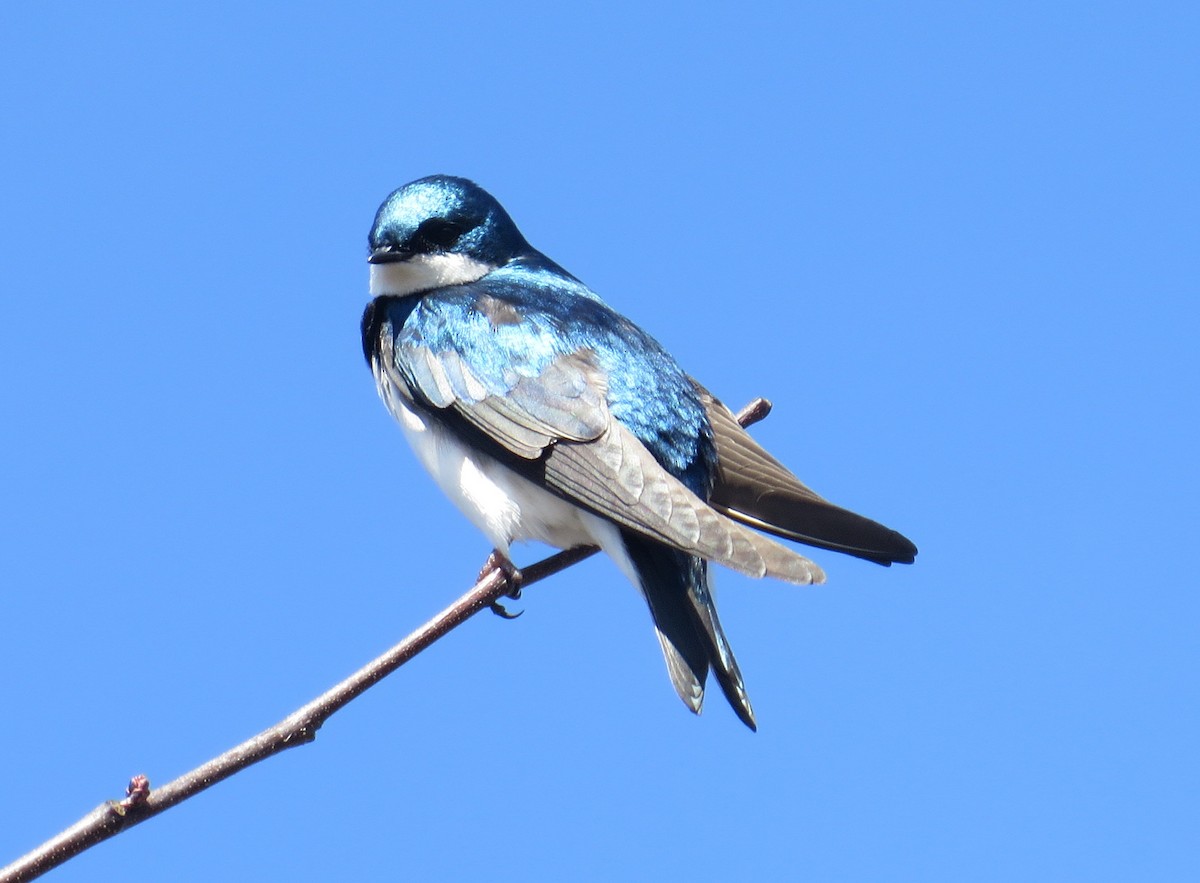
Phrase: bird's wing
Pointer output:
(617, 477)
(756, 489)
(547, 414)
(527, 411)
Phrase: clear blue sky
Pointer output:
(955, 243)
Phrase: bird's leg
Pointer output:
(512, 575)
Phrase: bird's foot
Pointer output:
(512, 576)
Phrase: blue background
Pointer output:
(955, 243)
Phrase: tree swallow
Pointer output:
(546, 415)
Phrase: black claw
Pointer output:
(503, 612)
(512, 576)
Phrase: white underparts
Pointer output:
(422, 272)
(503, 505)
(506, 507)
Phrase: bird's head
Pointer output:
(439, 231)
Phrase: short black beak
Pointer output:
(389, 254)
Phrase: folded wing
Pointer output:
(756, 489)
(553, 414)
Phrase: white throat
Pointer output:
(422, 272)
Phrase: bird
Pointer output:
(544, 414)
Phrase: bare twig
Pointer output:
(299, 727)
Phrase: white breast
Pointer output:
(503, 505)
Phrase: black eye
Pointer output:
(439, 234)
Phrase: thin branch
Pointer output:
(299, 727)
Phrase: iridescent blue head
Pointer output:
(439, 231)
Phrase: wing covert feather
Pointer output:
(565, 400)
(617, 477)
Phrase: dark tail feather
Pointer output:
(703, 607)
(676, 588)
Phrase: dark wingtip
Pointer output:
(909, 553)
(899, 550)
(816, 522)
